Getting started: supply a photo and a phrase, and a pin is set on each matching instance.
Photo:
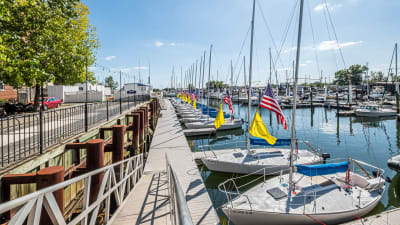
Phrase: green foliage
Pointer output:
(355, 72)
(156, 90)
(215, 84)
(45, 41)
(377, 77)
(109, 82)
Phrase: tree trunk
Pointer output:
(37, 97)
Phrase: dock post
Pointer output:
(45, 178)
(141, 131)
(337, 104)
(397, 103)
(136, 134)
(95, 160)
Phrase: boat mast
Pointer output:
(208, 84)
(270, 66)
(250, 72)
(202, 82)
(296, 74)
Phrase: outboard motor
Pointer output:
(325, 156)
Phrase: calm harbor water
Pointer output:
(370, 140)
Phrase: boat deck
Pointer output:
(148, 203)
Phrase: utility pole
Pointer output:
(120, 91)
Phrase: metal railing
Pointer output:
(118, 181)
(20, 135)
(180, 214)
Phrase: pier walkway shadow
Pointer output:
(148, 204)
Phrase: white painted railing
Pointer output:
(30, 206)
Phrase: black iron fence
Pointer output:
(20, 135)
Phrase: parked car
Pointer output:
(50, 102)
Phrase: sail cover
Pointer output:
(322, 169)
(260, 141)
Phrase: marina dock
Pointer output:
(384, 218)
(149, 202)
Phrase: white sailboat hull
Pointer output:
(273, 160)
(239, 217)
(210, 124)
(367, 113)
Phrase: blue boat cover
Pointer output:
(322, 169)
(260, 141)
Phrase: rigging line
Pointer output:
(241, 49)
(313, 36)
(334, 33)
(390, 66)
(287, 28)
(330, 37)
(268, 29)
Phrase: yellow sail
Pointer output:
(258, 129)
(219, 120)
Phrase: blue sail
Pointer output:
(322, 169)
(260, 141)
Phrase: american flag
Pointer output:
(228, 101)
(268, 102)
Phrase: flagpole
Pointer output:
(250, 72)
(296, 74)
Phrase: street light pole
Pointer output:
(120, 92)
(86, 99)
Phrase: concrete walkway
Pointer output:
(391, 217)
(148, 204)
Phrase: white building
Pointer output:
(77, 92)
(132, 89)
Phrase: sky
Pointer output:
(172, 34)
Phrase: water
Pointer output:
(370, 140)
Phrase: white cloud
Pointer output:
(123, 70)
(158, 43)
(111, 57)
(308, 61)
(322, 6)
(92, 68)
(332, 45)
(172, 44)
(141, 68)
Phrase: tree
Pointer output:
(377, 77)
(45, 41)
(215, 84)
(355, 72)
(109, 82)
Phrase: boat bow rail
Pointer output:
(372, 182)
(119, 179)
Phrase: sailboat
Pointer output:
(256, 160)
(329, 193)
(209, 123)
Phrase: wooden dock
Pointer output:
(149, 202)
(390, 217)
